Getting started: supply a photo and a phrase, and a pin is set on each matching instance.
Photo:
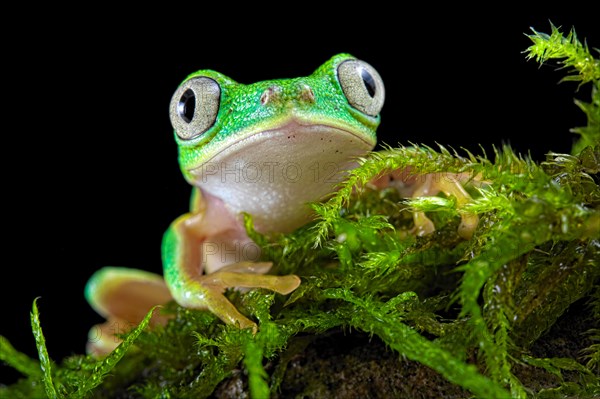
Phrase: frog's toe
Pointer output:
(467, 226)
(211, 298)
(248, 267)
(280, 284)
(423, 225)
(123, 296)
(102, 338)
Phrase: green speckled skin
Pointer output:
(241, 113)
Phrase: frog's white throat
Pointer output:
(274, 174)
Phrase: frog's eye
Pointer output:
(362, 86)
(194, 107)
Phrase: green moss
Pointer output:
(471, 311)
(583, 67)
(45, 362)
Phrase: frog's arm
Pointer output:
(207, 251)
(451, 185)
(414, 185)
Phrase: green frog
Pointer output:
(267, 149)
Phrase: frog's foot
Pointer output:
(206, 292)
(207, 251)
(124, 297)
(449, 184)
(415, 186)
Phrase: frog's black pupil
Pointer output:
(187, 105)
(369, 81)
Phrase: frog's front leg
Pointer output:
(451, 185)
(207, 251)
(430, 184)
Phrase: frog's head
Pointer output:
(269, 146)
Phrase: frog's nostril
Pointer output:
(307, 94)
(270, 95)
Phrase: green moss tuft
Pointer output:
(584, 68)
(45, 362)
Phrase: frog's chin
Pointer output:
(274, 174)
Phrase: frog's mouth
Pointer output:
(274, 174)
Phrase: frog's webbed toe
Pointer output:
(123, 296)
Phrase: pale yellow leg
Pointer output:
(414, 185)
(423, 225)
(450, 185)
(206, 252)
(123, 296)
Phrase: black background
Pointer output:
(90, 169)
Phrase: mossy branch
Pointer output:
(574, 55)
(45, 362)
(104, 366)
(583, 68)
(385, 320)
(17, 360)
(257, 377)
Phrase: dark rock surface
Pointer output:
(354, 365)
